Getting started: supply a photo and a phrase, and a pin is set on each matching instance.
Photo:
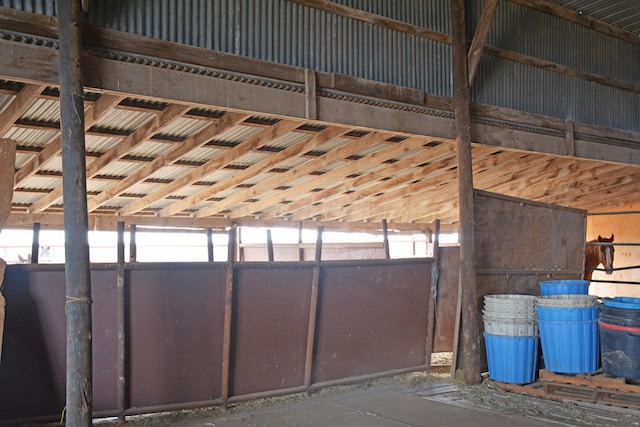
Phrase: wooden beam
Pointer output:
(256, 169)
(53, 148)
(279, 129)
(480, 37)
(19, 105)
(202, 137)
(371, 18)
(311, 101)
(154, 125)
(571, 141)
(471, 342)
(371, 160)
(363, 186)
(561, 69)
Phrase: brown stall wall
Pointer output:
(372, 318)
(270, 324)
(175, 342)
(33, 368)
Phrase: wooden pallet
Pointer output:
(593, 388)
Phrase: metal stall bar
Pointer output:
(313, 311)
(121, 327)
(228, 306)
(432, 297)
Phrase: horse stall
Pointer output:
(520, 243)
(286, 327)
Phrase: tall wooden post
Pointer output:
(76, 224)
(470, 338)
(121, 351)
(35, 243)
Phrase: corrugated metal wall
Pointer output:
(285, 32)
(536, 90)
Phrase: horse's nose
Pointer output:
(608, 271)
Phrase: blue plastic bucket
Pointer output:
(622, 302)
(512, 359)
(564, 287)
(570, 342)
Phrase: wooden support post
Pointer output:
(121, 327)
(570, 138)
(209, 244)
(228, 308)
(385, 232)
(133, 247)
(470, 337)
(35, 243)
(310, 99)
(313, 312)
(76, 223)
(269, 246)
(433, 294)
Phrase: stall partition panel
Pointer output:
(372, 318)
(176, 317)
(270, 325)
(33, 366)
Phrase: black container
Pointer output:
(620, 342)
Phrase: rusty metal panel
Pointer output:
(33, 368)
(270, 325)
(372, 318)
(520, 234)
(176, 329)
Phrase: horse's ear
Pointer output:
(599, 238)
(611, 237)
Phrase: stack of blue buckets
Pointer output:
(568, 322)
(566, 325)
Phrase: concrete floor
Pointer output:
(403, 402)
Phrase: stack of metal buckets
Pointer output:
(564, 320)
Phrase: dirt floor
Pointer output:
(408, 400)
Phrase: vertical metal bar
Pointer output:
(228, 306)
(385, 232)
(269, 246)
(313, 312)
(210, 244)
(76, 223)
(121, 327)
(470, 336)
(300, 248)
(35, 243)
(133, 248)
(431, 310)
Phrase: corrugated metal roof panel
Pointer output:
(184, 127)
(124, 120)
(41, 182)
(100, 144)
(30, 137)
(292, 163)
(25, 198)
(169, 173)
(239, 133)
(249, 159)
(288, 140)
(95, 185)
(5, 100)
(44, 110)
(22, 159)
(151, 149)
(217, 176)
(143, 188)
(203, 154)
(120, 168)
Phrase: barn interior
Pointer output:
(513, 123)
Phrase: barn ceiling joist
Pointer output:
(178, 135)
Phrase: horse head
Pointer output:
(606, 254)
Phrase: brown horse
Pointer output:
(598, 254)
